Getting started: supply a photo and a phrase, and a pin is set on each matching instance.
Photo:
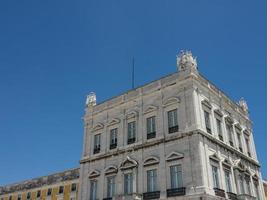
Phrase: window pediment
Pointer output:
(111, 170)
(247, 132)
(152, 160)
(128, 163)
(150, 109)
(239, 165)
(206, 103)
(237, 126)
(218, 112)
(215, 157)
(229, 120)
(227, 163)
(114, 121)
(174, 156)
(170, 101)
(131, 114)
(94, 174)
(98, 126)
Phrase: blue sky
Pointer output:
(54, 52)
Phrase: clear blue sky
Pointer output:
(54, 52)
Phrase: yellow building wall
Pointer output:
(66, 192)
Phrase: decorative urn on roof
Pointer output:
(91, 99)
(243, 104)
(185, 60)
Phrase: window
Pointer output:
(10, 198)
(128, 183)
(173, 121)
(241, 184)
(131, 132)
(248, 189)
(38, 195)
(151, 127)
(228, 180)
(93, 190)
(49, 192)
(219, 129)
(19, 197)
(239, 141)
(229, 129)
(248, 147)
(113, 138)
(110, 186)
(97, 140)
(176, 176)
(152, 180)
(28, 195)
(73, 187)
(207, 121)
(61, 190)
(215, 176)
(256, 188)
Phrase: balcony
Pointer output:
(151, 195)
(219, 192)
(245, 197)
(176, 192)
(97, 149)
(151, 135)
(131, 140)
(113, 146)
(173, 129)
(232, 196)
(108, 198)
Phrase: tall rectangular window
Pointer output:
(128, 183)
(176, 176)
(207, 121)
(111, 186)
(61, 190)
(241, 184)
(228, 180)
(215, 176)
(173, 121)
(152, 180)
(113, 138)
(131, 132)
(38, 195)
(248, 189)
(97, 141)
(219, 129)
(151, 127)
(248, 147)
(256, 189)
(19, 197)
(229, 129)
(73, 187)
(239, 141)
(49, 191)
(93, 190)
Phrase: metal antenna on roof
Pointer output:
(133, 74)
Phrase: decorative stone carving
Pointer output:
(185, 60)
(91, 99)
(243, 104)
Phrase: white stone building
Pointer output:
(178, 137)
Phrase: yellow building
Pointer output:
(265, 188)
(59, 186)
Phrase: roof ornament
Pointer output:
(91, 99)
(185, 60)
(243, 104)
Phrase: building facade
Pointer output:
(59, 186)
(178, 137)
(265, 188)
